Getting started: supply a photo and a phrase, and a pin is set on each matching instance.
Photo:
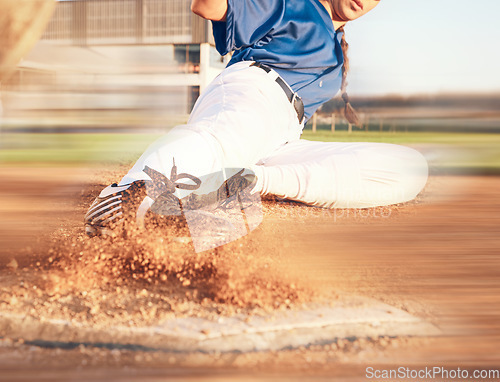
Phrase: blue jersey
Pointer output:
(294, 37)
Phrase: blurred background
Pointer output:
(138, 66)
(127, 62)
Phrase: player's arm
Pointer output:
(210, 9)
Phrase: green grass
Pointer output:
(457, 152)
(72, 149)
(454, 150)
(403, 137)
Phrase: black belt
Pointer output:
(293, 97)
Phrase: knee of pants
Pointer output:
(419, 170)
(400, 174)
(380, 174)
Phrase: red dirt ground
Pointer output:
(437, 258)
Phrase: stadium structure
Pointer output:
(117, 54)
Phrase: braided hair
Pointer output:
(349, 112)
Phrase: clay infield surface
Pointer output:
(436, 259)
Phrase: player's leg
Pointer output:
(343, 175)
(242, 116)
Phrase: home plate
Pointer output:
(352, 317)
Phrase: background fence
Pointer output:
(103, 22)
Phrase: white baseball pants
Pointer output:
(243, 119)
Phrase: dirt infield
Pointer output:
(436, 258)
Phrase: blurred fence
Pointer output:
(457, 112)
(392, 120)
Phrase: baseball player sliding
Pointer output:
(289, 58)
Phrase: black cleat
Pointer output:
(114, 206)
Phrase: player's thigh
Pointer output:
(247, 113)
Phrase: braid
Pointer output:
(349, 112)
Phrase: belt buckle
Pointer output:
(298, 109)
